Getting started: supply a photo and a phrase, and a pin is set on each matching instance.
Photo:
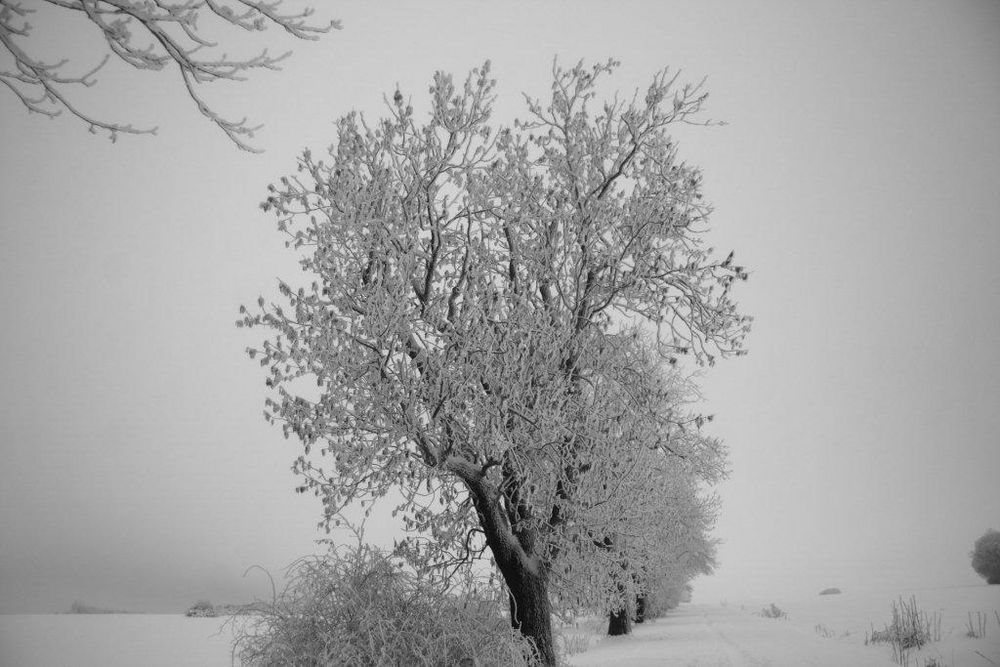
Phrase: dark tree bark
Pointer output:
(620, 623)
(531, 614)
(523, 571)
(640, 608)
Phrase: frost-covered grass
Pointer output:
(579, 635)
(356, 607)
(911, 629)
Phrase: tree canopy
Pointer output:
(986, 556)
(491, 321)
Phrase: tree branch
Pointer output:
(175, 36)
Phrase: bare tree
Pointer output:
(471, 322)
(148, 36)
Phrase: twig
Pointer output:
(985, 658)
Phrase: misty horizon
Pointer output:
(856, 178)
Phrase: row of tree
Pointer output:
(491, 325)
(494, 320)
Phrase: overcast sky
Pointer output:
(858, 179)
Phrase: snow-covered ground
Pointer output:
(711, 635)
(821, 630)
(824, 630)
(113, 640)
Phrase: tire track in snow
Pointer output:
(740, 656)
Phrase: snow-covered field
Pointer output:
(824, 630)
(113, 640)
(853, 613)
(820, 630)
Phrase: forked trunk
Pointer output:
(531, 612)
(524, 574)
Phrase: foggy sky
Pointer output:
(857, 179)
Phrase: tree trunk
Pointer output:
(523, 572)
(640, 608)
(620, 623)
(531, 613)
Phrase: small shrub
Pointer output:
(830, 591)
(824, 631)
(986, 556)
(355, 607)
(773, 611)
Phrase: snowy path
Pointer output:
(706, 635)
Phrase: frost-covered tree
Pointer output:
(470, 330)
(986, 556)
(642, 518)
(663, 537)
(147, 36)
(688, 551)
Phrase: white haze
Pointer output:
(857, 179)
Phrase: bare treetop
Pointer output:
(148, 36)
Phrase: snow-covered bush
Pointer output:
(201, 608)
(354, 606)
(986, 557)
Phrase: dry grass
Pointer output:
(577, 635)
(910, 629)
(773, 611)
(824, 631)
(976, 625)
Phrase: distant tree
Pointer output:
(669, 544)
(471, 326)
(82, 608)
(147, 36)
(201, 608)
(662, 596)
(986, 556)
(655, 526)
